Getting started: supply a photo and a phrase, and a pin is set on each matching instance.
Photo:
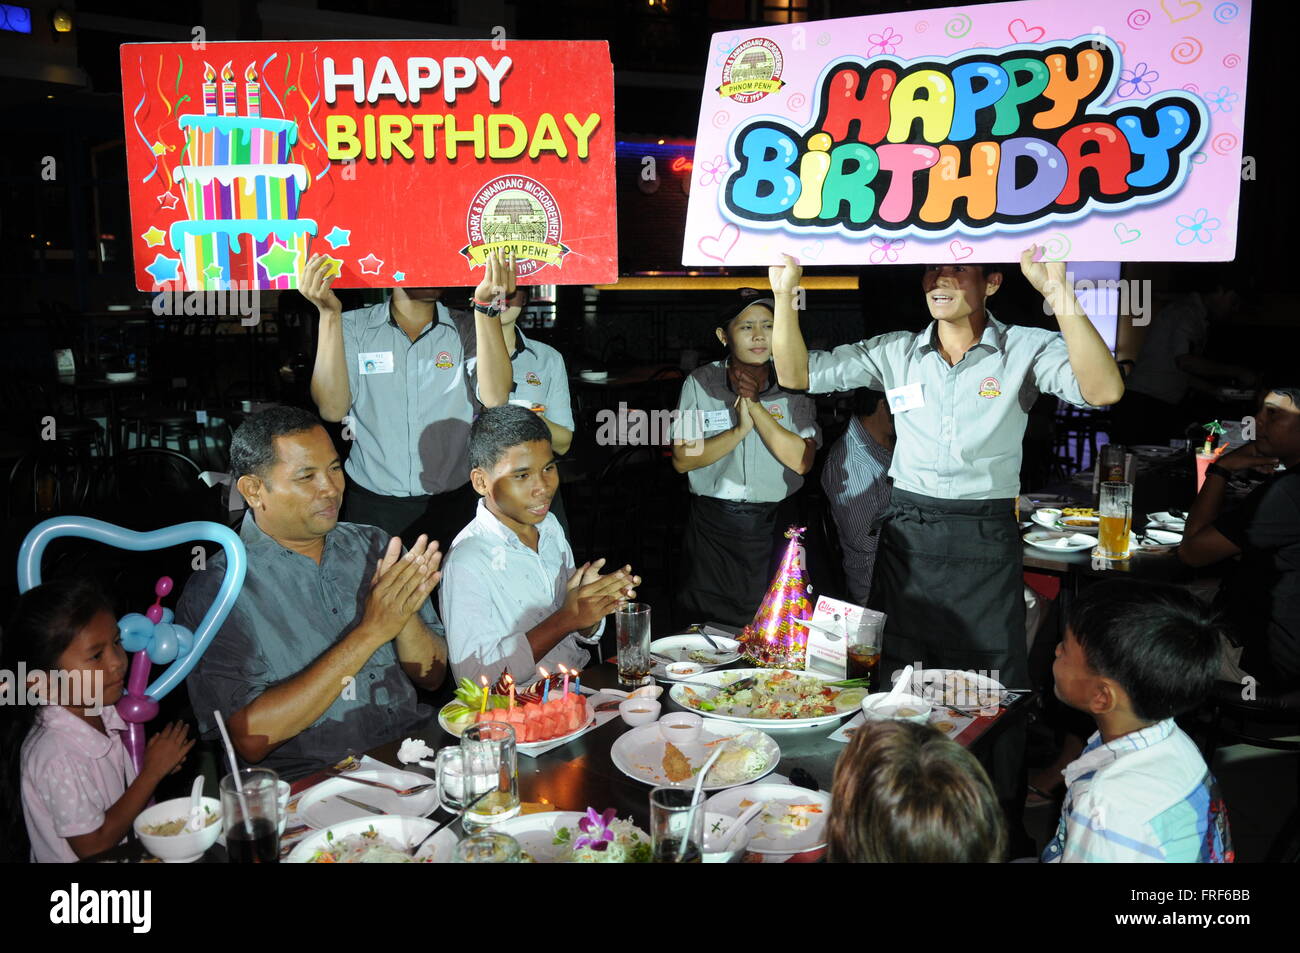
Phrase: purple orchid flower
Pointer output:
(595, 830)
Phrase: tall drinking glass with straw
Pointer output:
(249, 809)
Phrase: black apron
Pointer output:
(727, 550)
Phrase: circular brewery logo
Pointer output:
(752, 71)
(514, 213)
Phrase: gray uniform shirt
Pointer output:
(540, 377)
(751, 472)
(289, 612)
(964, 442)
(412, 401)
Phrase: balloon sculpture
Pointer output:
(152, 637)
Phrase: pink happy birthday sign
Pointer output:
(1109, 131)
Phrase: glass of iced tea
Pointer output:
(250, 810)
(1115, 511)
(862, 655)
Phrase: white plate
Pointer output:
(1159, 539)
(1060, 542)
(676, 648)
(1164, 521)
(767, 838)
(639, 754)
(406, 831)
(678, 694)
(1047, 516)
(1090, 524)
(591, 716)
(972, 694)
(321, 807)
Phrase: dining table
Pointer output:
(581, 772)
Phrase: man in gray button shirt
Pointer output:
(948, 569)
(398, 374)
(333, 624)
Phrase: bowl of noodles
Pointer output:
(161, 829)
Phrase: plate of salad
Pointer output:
(572, 837)
(376, 840)
(777, 698)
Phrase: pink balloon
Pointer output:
(163, 586)
(137, 709)
(154, 613)
(138, 680)
(135, 743)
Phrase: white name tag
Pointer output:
(375, 362)
(907, 397)
(715, 421)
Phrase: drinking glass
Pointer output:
(1203, 461)
(1112, 463)
(490, 774)
(669, 808)
(489, 847)
(632, 623)
(250, 811)
(1116, 515)
(863, 651)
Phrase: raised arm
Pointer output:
(789, 352)
(498, 284)
(793, 451)
(329, 377)
(1100, 380)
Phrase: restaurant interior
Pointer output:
(111, 410)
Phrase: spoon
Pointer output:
(904, 678)
(695, 800)
(734, 830)
(195, 823)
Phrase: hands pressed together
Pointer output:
(592, 596)
(165, 752)
(400, 585)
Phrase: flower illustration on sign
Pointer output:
(885, 249)
(711, 173)
(1137, 81)
(1198, 227)
(884, 43)
(1221, 101)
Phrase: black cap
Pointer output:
(744, 298)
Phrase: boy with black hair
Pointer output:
(1134, 657)
(511, 596)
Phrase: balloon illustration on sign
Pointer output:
(152, 637)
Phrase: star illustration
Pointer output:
(370, 265)
(159, 149)
(214, 272)
(164, 269)
(333, 266)
(168, 200)
(154, 236)
(279, 261)
(399, 276)
(338, 237)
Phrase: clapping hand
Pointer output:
(401, 584)
(592, 596)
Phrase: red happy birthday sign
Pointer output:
(407, 163)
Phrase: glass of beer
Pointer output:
(1116, 517)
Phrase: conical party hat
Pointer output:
(775, 639)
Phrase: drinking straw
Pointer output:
(234, 772)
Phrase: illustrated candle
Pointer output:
(209, 90)
(252, 92)
(229, 107)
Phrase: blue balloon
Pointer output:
(168, 615)
(184, 640)
(164, 644)
(33, 547)
(136, 629)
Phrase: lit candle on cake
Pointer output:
(252, 92)
(546, 685)
(209, 90)
(228, 105)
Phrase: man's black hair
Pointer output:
(865, 400)
(1156, 640)
(252, 448)
(498, 429)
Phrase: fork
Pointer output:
(400, 792)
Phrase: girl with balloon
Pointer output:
(65, 768)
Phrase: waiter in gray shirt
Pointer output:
(398, 375)
(948, 569)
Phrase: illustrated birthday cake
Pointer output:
(241, 194)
